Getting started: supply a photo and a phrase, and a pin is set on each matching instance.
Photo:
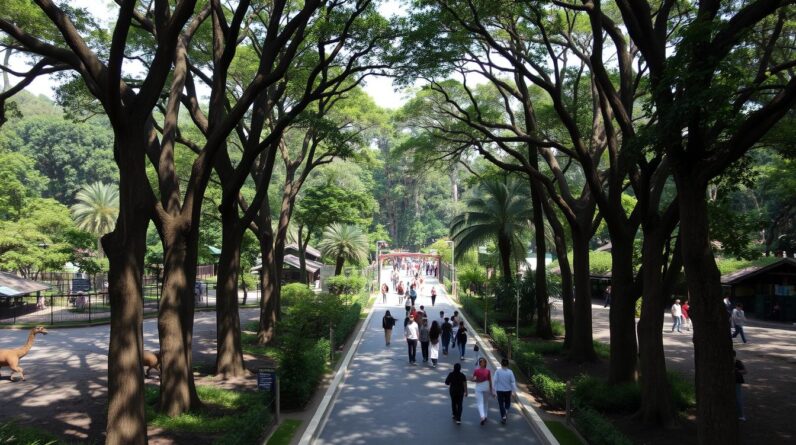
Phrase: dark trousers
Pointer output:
(739, 330)
(424, 350)
(412, 344)
(504, 402)
(457, 405)
(462, 346)
(446, 338)
(433, 299)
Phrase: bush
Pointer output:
(553, 390)
(343, 285)
(13, 434)
(474, 308)
(598, 394)
(293, 292)
(346, 323)
(596, 429)
(683, 392)
(303, 364)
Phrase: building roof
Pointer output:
(749, 272)
(14, 286)
(293, 261)
(310, 251)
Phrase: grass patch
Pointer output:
(603, 350)
(13, 434)
(564, 435)
(284, 434)
(236, 417)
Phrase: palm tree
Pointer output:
(500, 211)
(96, 209)
(344, 242)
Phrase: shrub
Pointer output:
(13, 434)
(303, 364)
(598, 394)
(293, 292)
(596, 429)
(683, 392)
(474, 307)
(603, 350)
(558, 327)
(471, 277)
(346, 323)
(553, 390)
(343, 285)
(528, 360)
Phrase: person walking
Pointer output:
(505, 384)
(433, 295)
(457, 383)
(677, 316)
(424, 339)
(686, 316)
(384, 290)
(482, 377)
(461, 339)
(412, 334)
(738, 320)
(607, 296)
(412, 294)
(387, 322)
(447, 333)
(740, 370)
(408, 306)
(455, 324)
(400, 289)
(434, 334)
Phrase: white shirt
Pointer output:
(411, 331)
(738, 317)
(504, 380)
(676, 310)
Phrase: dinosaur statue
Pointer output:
(10, 357)
(151, 360)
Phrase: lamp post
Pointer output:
(453, 268)
(378, 264)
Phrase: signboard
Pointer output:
(266, 379)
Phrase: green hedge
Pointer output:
(343, 285)
(304, 363)
(596, 429)
(294, 292)
(553, 390)
(598, 394)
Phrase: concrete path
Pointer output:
(384, 400)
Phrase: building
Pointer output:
(291, 266)
(762, 288)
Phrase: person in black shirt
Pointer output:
(447, 333)
(457, 382)
(387, 323)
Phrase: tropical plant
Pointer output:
(96, 209)
(344, 243)
(499, 211)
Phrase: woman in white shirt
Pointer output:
(505, 384)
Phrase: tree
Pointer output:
(96, 209)
(344, 242)
(498, 212)
(19, 182)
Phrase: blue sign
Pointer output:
(266, 379)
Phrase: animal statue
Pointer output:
(10, 357)
(151, 360)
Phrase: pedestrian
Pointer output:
(461, 338)
(447, 333)
(505, 384)
(454, 325)
(441, 318)
(400, 289)
(387, 323)
(686, 316)
(607, 295)
(412, 294)
(412, 333)
(384, 290)
(433, 347)
(457, 382)
(738, 320)
(483, 388)
(408, 306)
(677, 314)
(422, 313)
(424, 339)
(740, 370)
(433, 295)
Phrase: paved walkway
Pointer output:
(384, 400)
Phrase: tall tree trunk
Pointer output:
(656, 401)
(229, 357)
(269, 283)
(175, 319)
(504, 248)
(715, 381)
(302, 254)
(544, 328)
(622, 315)
(338, 265)
(125, 248)
(560, 238)
(582, 349)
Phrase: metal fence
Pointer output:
(85, 307)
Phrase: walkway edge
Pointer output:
(324, 408)
(528, 411)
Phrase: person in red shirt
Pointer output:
(686, 316)
(482, 377)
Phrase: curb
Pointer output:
(318, 420)
(537, 424)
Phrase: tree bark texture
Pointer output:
(715, 379)
(125, 248)
(269, 283)
(544, 328)
(229, 357)
(622, 315)
(582, 349)
(175, 320)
